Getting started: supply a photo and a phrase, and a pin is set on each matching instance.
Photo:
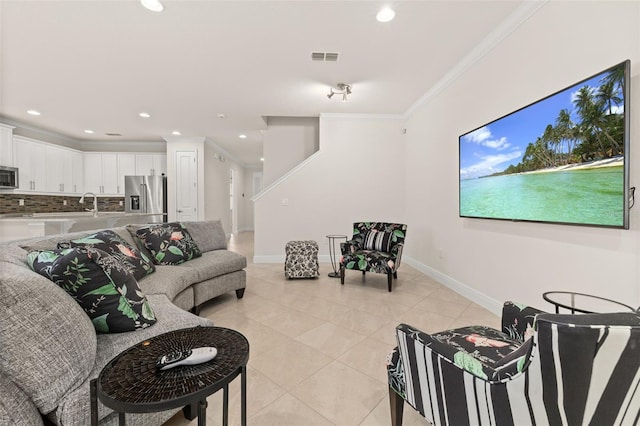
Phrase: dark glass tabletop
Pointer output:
(131, 383)
(584, 303)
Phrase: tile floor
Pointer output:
(318, 349)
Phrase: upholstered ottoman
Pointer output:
(301, 259)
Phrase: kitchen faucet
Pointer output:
(95, 203)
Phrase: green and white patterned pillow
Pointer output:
(133, 259)
(102, 286)
(169, 243)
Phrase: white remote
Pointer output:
(189, 357)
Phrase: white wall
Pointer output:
(286, 143)
(216, 187)
(493, 261)
(246, 219)
(356, 175)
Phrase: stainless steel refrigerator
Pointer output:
(146, 194)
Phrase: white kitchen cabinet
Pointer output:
(151, 164)
(30, 158)
(77, 172)
(59, 170)
(104, 172)
(126, 167)
(6, 145)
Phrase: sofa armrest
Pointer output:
(15, 407)
(518, 320)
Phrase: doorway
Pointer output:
(186, 185)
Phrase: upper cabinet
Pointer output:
(151, 164)
(77, 172)
(59, 170)
(6, 145)
(100, 173)
(30, 158)
(104, 172)
(54, 169)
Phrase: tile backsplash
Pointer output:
(10, 203)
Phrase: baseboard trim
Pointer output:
(481, 299)
(281, 258)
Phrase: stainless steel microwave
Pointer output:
(8, 177)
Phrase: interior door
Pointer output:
(186, 185)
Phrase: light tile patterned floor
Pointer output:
(318, 349)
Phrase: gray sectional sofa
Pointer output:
(49, 348)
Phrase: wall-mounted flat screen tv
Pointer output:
(563, 159)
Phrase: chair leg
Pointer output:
(389, 280)
(364, 272)
(395, 275)
(397, 405)
(342, 274)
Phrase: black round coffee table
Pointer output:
(130, 383)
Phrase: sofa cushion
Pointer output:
(213, 264)
(169, 243)
(168, 280)
(132, 259)
(208, 235)
(43, 328)
(102, 286)
(75, 409)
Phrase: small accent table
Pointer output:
(332, 254)
(130, 382)
(583, 303)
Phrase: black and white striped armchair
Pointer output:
(541, 369)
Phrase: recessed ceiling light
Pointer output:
(242, 136)
(385, 15)
(89, 131)
(261, 159)
(176, 133)
(153, 5)
(145, 115)
(220, 115)
(33, 112)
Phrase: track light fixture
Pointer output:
(343, 89)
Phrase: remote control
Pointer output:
(188, 357)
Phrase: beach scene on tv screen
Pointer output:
(560, 159)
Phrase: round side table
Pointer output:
(131, 383)
(332, 254)
(583, 303)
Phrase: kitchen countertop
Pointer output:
(15, 226)
(65, 216)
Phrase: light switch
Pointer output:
(21, 202)
(285, 201)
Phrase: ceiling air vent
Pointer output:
(113, 134)
(331, 57)
(324, 56)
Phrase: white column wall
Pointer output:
(356, 175)
(494, 261)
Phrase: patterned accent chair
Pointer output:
(374, 247)
(541, 369)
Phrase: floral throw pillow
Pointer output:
(169, 243)
(131, 258)
(100, 284)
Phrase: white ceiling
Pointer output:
(97, 64)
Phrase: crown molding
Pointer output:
(502, 31)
